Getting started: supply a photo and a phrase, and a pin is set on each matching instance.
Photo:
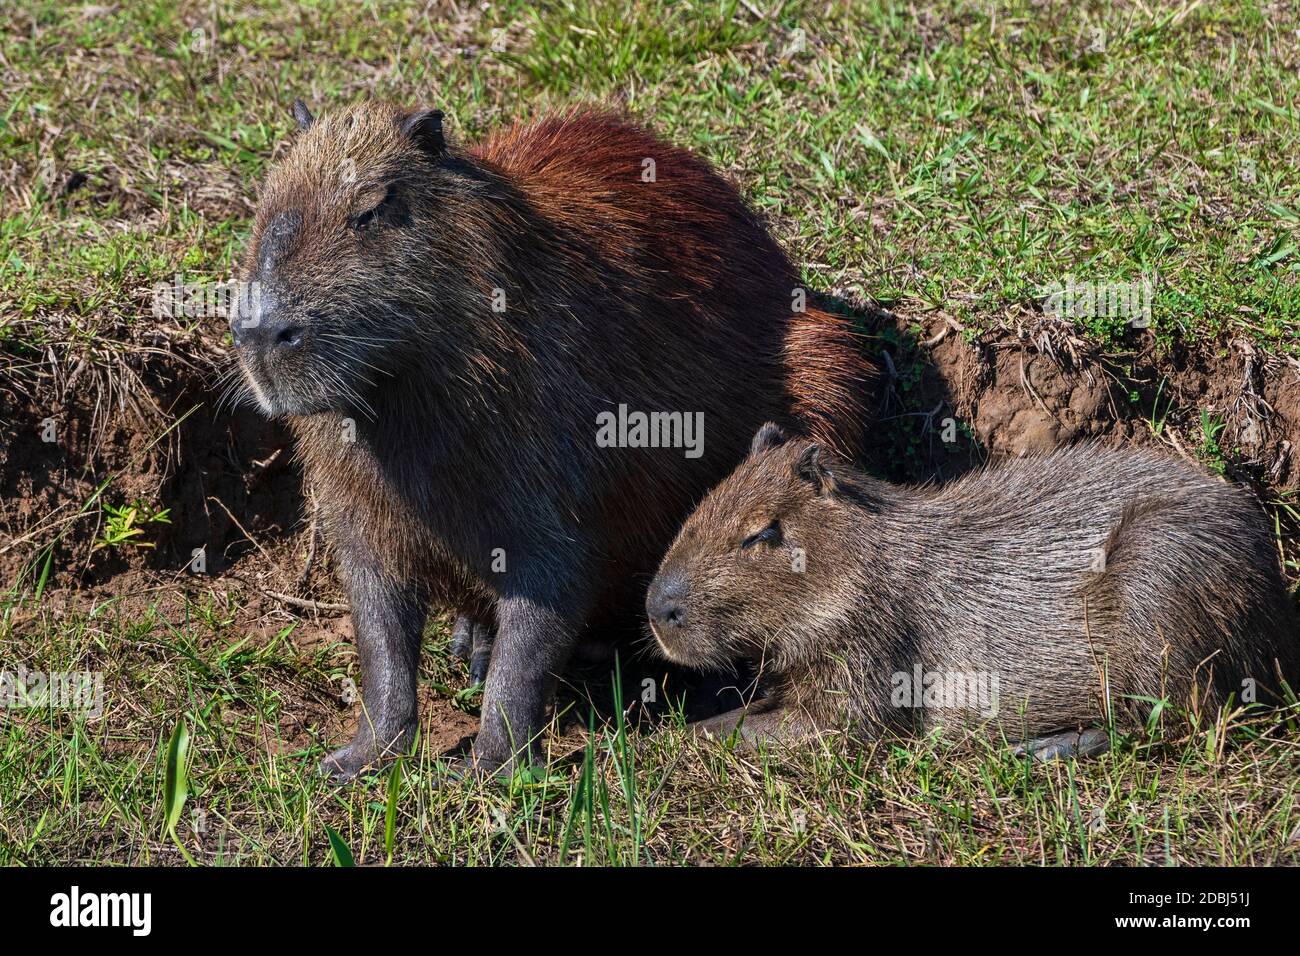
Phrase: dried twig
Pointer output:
(304, 603)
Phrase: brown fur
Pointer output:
(1084, 575)
(475, 429)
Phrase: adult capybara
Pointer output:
(511, 370)
(1030, 597)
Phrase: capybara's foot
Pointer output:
(468, 767)
(462, 637)
(471, 641)
(752, 727)
(1089, 743)
(458, 770)
(345, 763)
(363, 753)
(718, 727)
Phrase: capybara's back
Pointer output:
(1094, 574)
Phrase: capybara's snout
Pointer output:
(666, 609)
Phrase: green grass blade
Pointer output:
(390, 812)
(339, 851)
(175, 784)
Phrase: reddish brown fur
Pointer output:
(583, 170)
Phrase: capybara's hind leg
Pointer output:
(776, 725)
(471, 641)
(1087, 743)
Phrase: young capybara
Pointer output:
(1028, 597)
(468, 343)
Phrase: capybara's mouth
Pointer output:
(667, 648)
(680, 648)
(269, 396)
(280, 392)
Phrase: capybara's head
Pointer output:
(756, 561)
(359, 229)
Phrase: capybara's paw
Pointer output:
(719, 727)
(478, 665)
(750, 727)
(469, 768)
(462, 637)
(1089, 743)
(344, 764)
(486, 760)
(364, 753)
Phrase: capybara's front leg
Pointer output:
(388, 617)
(773, 725)
(533, 644)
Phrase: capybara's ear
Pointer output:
(302, 115)
(811, 467)
(769, 436)
(425, 127)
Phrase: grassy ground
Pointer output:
(258, 713)
(948, 156)
(967, 156)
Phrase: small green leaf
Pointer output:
(342, 855)
(871, 141)
(175, 787)
(45, 573)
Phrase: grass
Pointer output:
(256, 721)
(966, 155)
(951, 156)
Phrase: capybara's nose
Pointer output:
(258, 323)
(265, 333)
(666, 602)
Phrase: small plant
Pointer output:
(176, 784)
(466, 699)
(124, 525)
(1210, 451)
(1157, 420)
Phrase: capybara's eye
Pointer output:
(367, 218)
(364, 219)
(771, 534)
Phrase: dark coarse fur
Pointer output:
(1058, 575)
(381, 251)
